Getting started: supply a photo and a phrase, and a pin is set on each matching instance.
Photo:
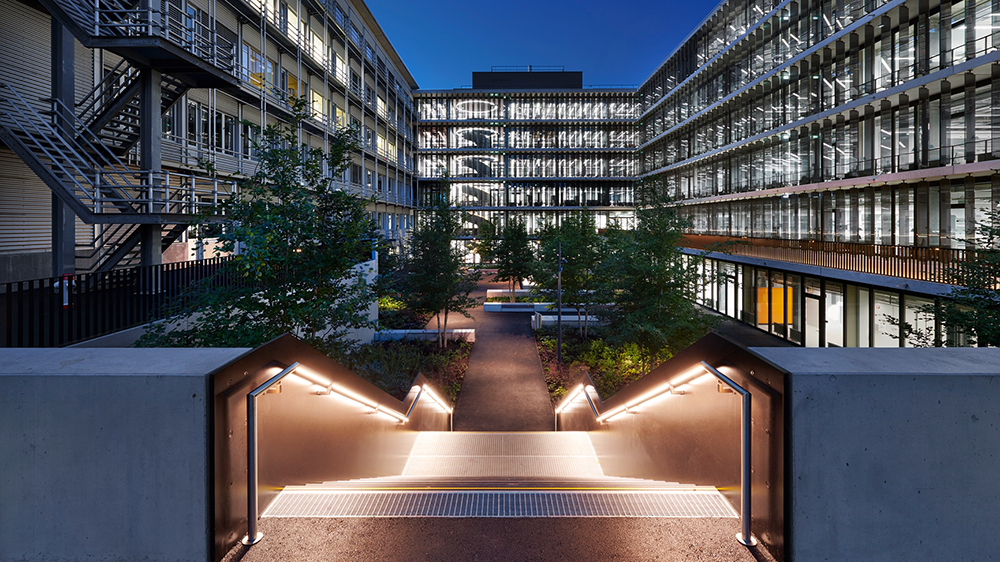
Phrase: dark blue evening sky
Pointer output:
(612, 42)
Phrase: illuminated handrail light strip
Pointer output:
(437, 400)
(569, 399)
(671, 387)
(329, 387)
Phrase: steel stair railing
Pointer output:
(16, 115)
(111, 109)
(79, 165)
(102, 249)
(115, 19)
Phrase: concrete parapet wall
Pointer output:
(893, 452)
(104, 453)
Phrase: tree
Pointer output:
(435, 281)
(486, 241)
(582, 251)
(973, 305)
(652, 288)
(298, 242)
(513, 256)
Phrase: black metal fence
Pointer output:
(59, 311)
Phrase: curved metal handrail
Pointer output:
(744, 537)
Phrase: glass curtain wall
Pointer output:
(817, 312)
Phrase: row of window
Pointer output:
(528, 137)
(618, 107)
(310, 39)
(935, 214)
(536, 194)
(279, 83)
(528, 166)
(818, 312)
(535, 220)
(792, 30)
(818, 84)
(953, 126)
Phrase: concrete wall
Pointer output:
(893, 452)
(105, 453)
(23, 267)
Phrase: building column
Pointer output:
(151, 250)
(63, 86)
(970, 117)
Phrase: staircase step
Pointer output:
(500, 504)
(407, 483)
(504, 455)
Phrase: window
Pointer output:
(253, 66)
(197, 125)
(272, 76)
(291, 84)
(226, 128)
(172, 121)
(316, 102)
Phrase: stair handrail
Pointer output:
(88, 106)
(110, 237)
(112, 18)
(744, 537)
(30, 119)
(254, 536)
(111, 167)
(110, 175)
(155, 184)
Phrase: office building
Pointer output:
(530, 142)
(851, 146)
(122, 122)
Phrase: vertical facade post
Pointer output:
(63, 86)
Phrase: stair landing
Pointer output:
(500, 475)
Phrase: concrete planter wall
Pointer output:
(546, 320)
(467, 334)
(524, 307)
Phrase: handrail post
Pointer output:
(744, 537)
(253, 536)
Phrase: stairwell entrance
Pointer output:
(335, 453)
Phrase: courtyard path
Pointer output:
(504, 388)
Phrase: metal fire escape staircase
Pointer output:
(111, 110)
(92, 180)
(81, 161)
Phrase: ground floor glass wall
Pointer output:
(818, 312)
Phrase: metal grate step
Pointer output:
(306, 503)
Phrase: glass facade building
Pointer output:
(535, 144)
(850, 146)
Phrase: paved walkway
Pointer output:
(504, 388)
(488, 540)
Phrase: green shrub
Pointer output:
(392, 366)
(610, 366)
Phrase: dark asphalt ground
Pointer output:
(504, 388)
(460, 540)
